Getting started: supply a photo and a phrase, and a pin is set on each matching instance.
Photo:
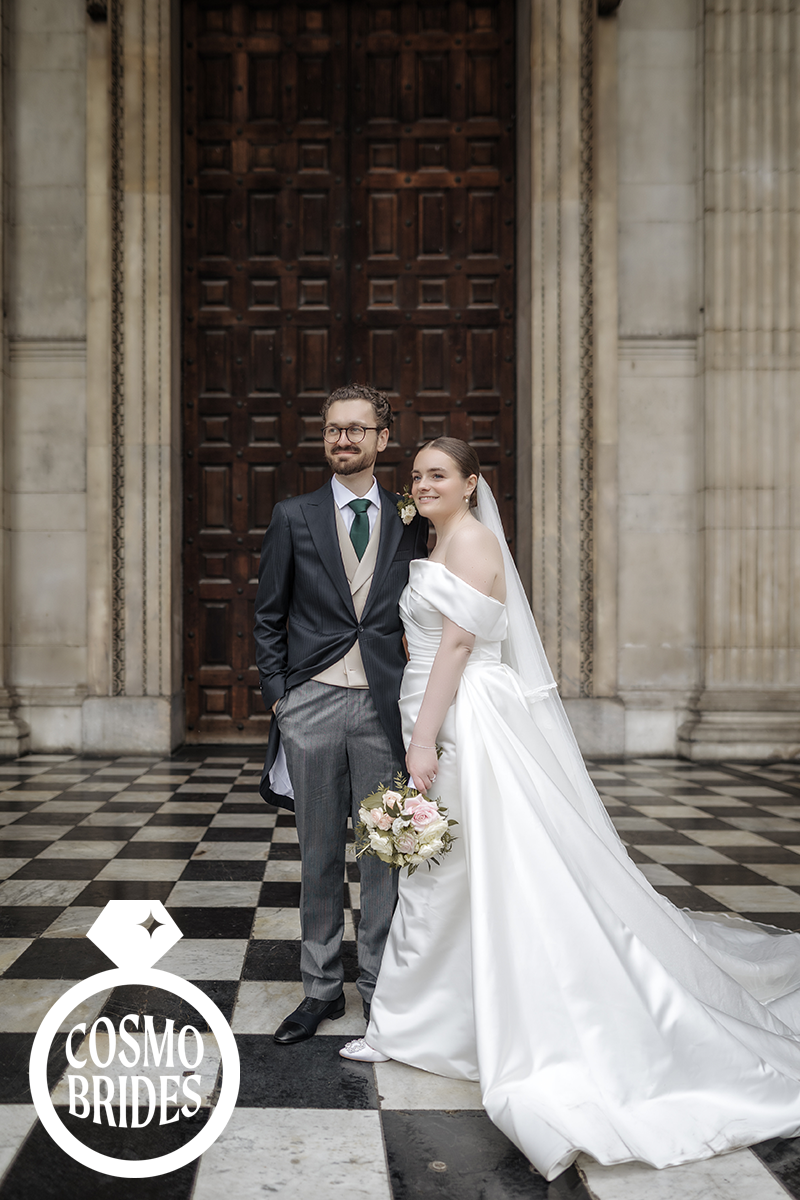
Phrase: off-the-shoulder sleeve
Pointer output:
(459, 601)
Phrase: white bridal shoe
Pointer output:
(359, 1051)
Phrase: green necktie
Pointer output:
(359, 530)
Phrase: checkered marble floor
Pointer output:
(191, 831)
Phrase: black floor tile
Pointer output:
(218, 833)
(284, 818)
(100, 891)
(173, 818)
(285, 851)
(279, 959)
(131, 805)
(200, 797)
(718, 873)
(82, 794)
(41, 1171)
(759, 854)
(22, 921)
(658, 837)
(195, 922)
(100, 833)
(780, 920)
(280, 895)
(782, 1156)
(272, 959)
(12, 805)
(232, 806)
(61, 868)
(59, 958)
(15, 1055)
(222, 870)
(145, 849)
(50, 818)
(479, 1160)
(307, 1075)
(691, 897)
(162, 1004)
(22, 848)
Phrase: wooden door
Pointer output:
(348, 215)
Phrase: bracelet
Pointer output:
(421, 747)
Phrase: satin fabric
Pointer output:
(537, 959)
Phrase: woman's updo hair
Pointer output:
(463, 455)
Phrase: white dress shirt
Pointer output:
(342, 497)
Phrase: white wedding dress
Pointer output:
(537, 959)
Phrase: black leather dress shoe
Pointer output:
(303, 1022)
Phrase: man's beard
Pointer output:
(351, 464)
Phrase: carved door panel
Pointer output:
(347, 214)
(432, 206)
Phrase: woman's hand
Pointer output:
(421, 765)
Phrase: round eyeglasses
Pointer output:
(354, 433)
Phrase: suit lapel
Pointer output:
(391, 533)
(318, 510)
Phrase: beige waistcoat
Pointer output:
(349, 671)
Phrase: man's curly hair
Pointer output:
(360, 391)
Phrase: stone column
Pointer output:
(563, 417)
(749, 706)
(14, 733)
(133, 391)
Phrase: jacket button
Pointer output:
(361, 629)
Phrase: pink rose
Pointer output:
(411, 803)
(424, 812)
(381, 818)
(405, 843)
(391, 798)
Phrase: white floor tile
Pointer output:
(10, 950)
(683, 854)
(285, 923)
(235, 820)
(169, 833)
(25, 1002)
(73, 922)
(81, 848)
(222, 851)
(143, 869)
(283, 870)
(288, 1152)
(40, 891)
(17, 1122)
(9, 866)
(205, 958)
(402, 1086)
(754, 898)
(739, 1176)
(213, 894)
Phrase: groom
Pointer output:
(329, 647)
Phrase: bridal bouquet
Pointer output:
(403, 827)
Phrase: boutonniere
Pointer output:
(406, 507)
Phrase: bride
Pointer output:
(536, 958)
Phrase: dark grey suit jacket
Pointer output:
(304, 615)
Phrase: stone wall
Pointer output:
(44, 393)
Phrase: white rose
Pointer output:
(399, 826)
(428, 850)
(381, 845)
(434, 831)
(407, 513)
(365, 816)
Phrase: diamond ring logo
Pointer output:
(134, 934)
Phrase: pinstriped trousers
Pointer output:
(337, 753)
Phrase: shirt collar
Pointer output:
(342, 495)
